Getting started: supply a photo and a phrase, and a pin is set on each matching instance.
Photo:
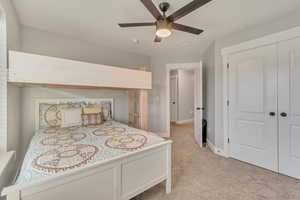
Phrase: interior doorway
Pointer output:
(184, 97)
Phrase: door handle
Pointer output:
(272, 114)
(198, 108)
(283, 114)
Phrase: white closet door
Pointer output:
(289, 107)
(253, 107)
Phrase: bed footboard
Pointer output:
(116, 179)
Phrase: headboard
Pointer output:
(77, 101)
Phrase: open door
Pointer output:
(198, 111)
(173, 98)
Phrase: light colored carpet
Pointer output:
(198, 174)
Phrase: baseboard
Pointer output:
(220, 152)
(184, 121)
(211, 146)
(215, 150)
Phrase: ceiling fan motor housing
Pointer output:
(163, 24)
(164, 6)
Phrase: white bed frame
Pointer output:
(119, 178)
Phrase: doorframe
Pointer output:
(169, 67)
(3, 81)
(226, 52)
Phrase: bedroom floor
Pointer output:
(198, 174)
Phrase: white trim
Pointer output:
(3, 110)
(3, 82)
(67, 100)
(185, 121)
(220, 152)
(262, 41)
(226, 52)
(211, 146)
(170, 67)
(216, 150)
(225, 106)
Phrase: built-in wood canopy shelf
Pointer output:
(36, 70)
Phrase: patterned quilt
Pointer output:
(54, 150)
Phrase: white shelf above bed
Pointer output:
(31, 69)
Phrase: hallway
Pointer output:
(198, 174)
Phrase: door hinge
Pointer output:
(228, 140)
(227, 65)
(227, 102)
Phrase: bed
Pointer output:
(110, 161)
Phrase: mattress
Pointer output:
(55, 150)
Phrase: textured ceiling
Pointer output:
(96, 21)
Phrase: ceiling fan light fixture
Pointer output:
(163, 32)
(163, 29)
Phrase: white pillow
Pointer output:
(70, 117)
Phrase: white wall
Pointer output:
(14, 118)
(185, 95)
(45, 43)
(278, 25)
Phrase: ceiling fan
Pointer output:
(165, 25)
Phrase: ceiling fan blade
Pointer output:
(152, 9)
(157, 39)
(195, 4)
(185, 28)
(124, 25)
